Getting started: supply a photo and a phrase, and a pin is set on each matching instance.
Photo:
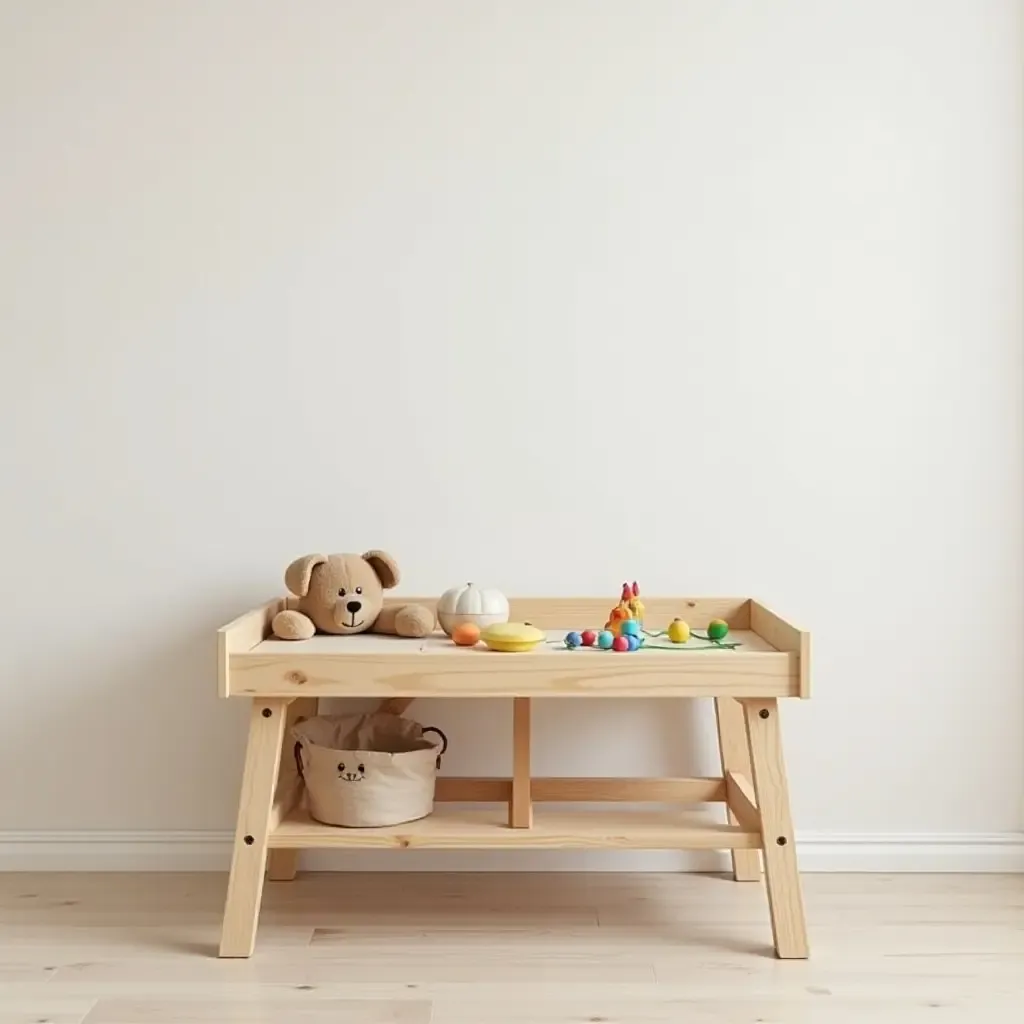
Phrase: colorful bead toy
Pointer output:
(678, 631)
(718, 629)
(624, 631)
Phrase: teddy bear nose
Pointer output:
(354, 606)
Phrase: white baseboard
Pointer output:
(210, 851)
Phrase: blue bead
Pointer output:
(634, 641)
(605, 638)
(630, 628)
(573, 639)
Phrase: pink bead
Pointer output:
(620, 643)
(589, 637)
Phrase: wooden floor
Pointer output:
(514, 949)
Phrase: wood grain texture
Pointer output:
(742, 801)
(782, 878)
(520, 805)
(499, 948)
(583, 790)
(480, 673)
(784, 637)
(243, 634)
(769, 664)
(283, 864)
(454, 827)
(256, 813)
(735, 756)
(592, 612)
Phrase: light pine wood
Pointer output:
(770, 663)
(243, 634)
(283, 864)
(735, 756)
(582, 790)
(455, 827)
(742, 801)
(377, 668)
(520, 806)
(592, 612)
(779, 850)
(784, 637)
(257, 809)
(498, 948)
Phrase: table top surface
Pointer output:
(770, 659)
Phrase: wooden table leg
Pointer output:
(520, 807)
(282, 865)
(256, 815)
(782, 878)
(735, 753)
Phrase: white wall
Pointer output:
(722, 296)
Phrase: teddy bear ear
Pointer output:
(384, 566)
(297, 575)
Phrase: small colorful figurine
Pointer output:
(629, 608)
(636, 605)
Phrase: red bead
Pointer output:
(620, 643)
(589, 637)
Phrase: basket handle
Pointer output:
(298, 759)
(444, 741)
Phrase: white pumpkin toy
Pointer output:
(470, 603)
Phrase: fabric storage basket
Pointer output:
(364, 771)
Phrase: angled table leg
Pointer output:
(782, 879)
(256, 813)
(282, 864)
(735, 754)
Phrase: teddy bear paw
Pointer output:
(414, 620)
(292, 625)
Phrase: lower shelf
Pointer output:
(453, 827)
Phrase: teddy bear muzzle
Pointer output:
(348, 613)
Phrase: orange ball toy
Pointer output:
(466, 634)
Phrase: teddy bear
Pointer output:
(344, 594)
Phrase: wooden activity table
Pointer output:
(283, 680)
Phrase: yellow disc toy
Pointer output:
(512, 636)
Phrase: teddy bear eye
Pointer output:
(362, 769)
(341, 766)
(359, 590)
(341, 593)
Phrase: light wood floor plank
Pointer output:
(45, 1006)
(205, 1011)
(496, 948)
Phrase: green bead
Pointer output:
(717, 629)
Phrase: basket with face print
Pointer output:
(367, 771)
